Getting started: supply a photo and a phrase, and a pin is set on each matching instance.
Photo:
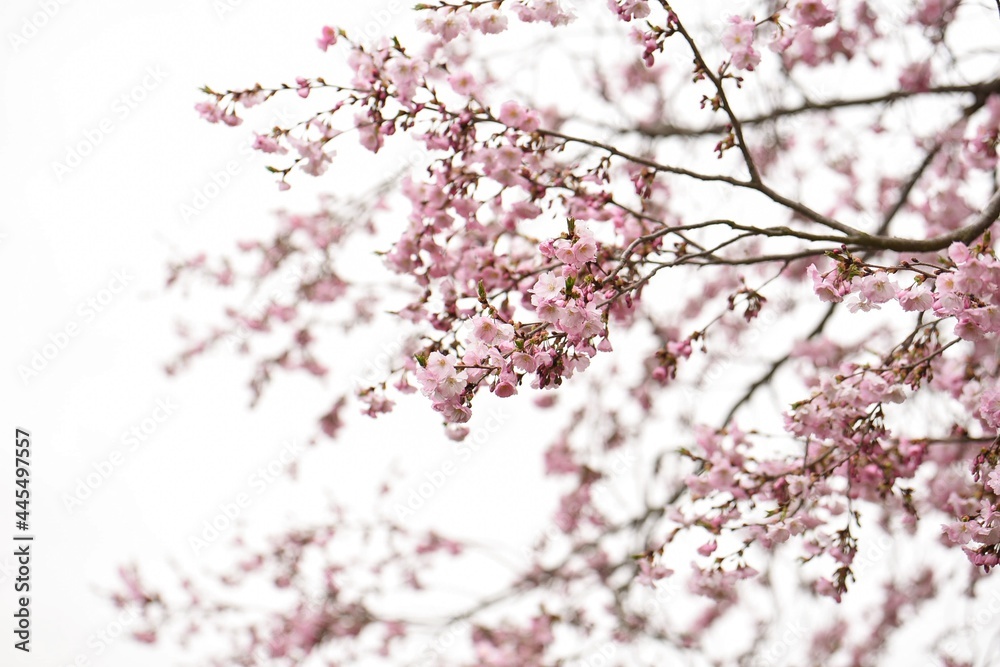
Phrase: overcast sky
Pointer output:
(102, 148)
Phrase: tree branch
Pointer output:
(981, 90)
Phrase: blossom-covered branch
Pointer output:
(767, 234)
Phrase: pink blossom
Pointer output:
(993, 482)
(708, 548)
(524, 362)
(464, 83)
(514, 115)
(989, 407)
(492, 24)
(315, 159)
(266, 144)
(209, 111)
(406, 74)
(959, 253)
(738, 40)
(548, 286)
(438, 367)
(489, 331)
(446, 25)
(327, 39)
(825, 587)
(916, 77)
(877, 288)
(251, 98)
(505, 389)
(376, 404)
(559, 460)
(649, 573)
(917, 298)
(454, 413)
(549, 11)
(368, 133)
(934, 12)
(858, 301)
(456, 433)
(584, 250)
(960, 532)
(303, 89)
(629, 9)
(812, 13)
(823, 286)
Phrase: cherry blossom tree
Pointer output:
(746, 243)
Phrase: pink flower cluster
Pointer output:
(573, 312)
(447, 21)
(838, 403)
(933, 13)
(628, 10)
(514, 115)
(445, 386)
(738, 40)
(512, 646)
(868, 292)
(543, 11)
(802, 44)
(970, 293)
(214, 113)
(978, 529)
(812, 13)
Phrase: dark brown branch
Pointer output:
(980, 90)
(798, 207)
(734, 121)
(966, 234)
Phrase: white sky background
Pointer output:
(62, 240)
